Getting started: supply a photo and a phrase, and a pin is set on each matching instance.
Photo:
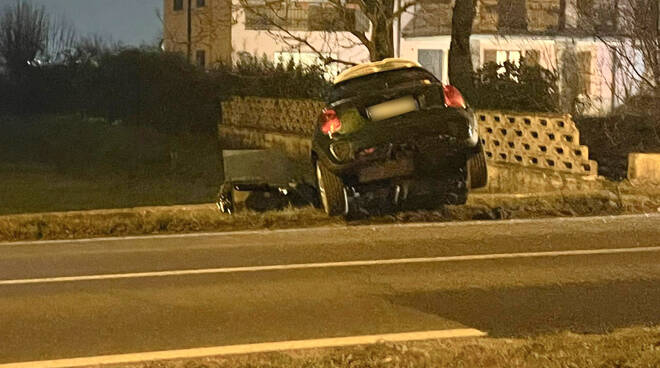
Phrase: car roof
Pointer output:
(375, 67)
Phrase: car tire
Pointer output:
(332, 192)
(477, 170)
(225, 201)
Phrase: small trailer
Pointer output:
(263, 180)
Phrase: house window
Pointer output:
(431, 60)
(200, 58)
(500, 57)
(511, 56)
(178, 5)
(512, 15)
(201, 3)
(598, 15)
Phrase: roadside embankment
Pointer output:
(206, 217)
(630, 347)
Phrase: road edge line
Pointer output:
(249, 349)
(377, 226)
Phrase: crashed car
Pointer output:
(392, 131)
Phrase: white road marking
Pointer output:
(302, 266)
(247, 349)
(311, 230)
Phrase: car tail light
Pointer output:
(453, 97)
(329, 122)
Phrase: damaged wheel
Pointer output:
(477, 171)
(332, 191)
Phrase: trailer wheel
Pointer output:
(477, 170)
(225, 201)
(332, 191)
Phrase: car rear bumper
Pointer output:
(419, 144)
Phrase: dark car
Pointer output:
(392, 131)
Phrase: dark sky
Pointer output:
(131, 22)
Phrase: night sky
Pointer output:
(132, 22)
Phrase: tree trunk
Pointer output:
(461, 70)
(381, 14)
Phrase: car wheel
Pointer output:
(332, 191)
(225, 201)
(477, 170)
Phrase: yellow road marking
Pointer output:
(247, 349)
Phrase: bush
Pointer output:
(149, 87)
(518, 88)
(260, 77)
(611, 139)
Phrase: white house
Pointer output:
(541, 31)
(546, 32)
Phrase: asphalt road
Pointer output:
(99, 297)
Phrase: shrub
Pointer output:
(612, 138)
(149, 87)
(516, 87)
(252, 76)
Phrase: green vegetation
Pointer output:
(148, 87)
(631, 347)
(60, 163)
(611, 139)
(515, 87)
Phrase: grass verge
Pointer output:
(200, 218)
(66, 163)
(629, 347)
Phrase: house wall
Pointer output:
(342, 45)
(210, 31)
(550, 50)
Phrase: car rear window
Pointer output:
(378, 81)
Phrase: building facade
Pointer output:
(546, 32)
(213, 31)
(199, 29)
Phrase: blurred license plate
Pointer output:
(392, 108)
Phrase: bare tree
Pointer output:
(61, 39)
(338, 16)
(461, 70)
(27, 34)
(630, 30)
(23, 35)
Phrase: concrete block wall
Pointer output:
(542, 141)
(290, 116)
(644, 168)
